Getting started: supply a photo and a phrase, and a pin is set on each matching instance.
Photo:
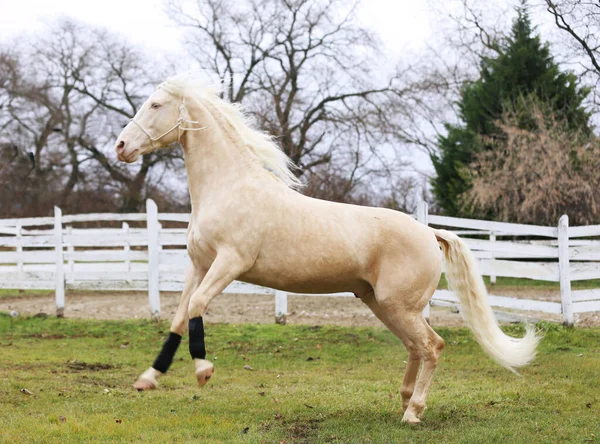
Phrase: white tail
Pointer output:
(464, 279)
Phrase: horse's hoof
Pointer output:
(410, 418)
(204, 370)
(147, 380)
(141, 384)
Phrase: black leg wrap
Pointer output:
(197, 348)
(165, 358)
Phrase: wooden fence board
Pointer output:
(583, 271)
(116, 239)
(174, 217)
(586, 307)
(585, 231)
(586, 295)
(28, 221)
(543, 271)
(589, 252)
(106, 275)
(28, 241)
(27, 284)
(504, 302)
(500, 228)
(108, 285)
(513, 249)
(104, 217)
(33, 257)
(106, 255)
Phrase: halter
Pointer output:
(177, 126)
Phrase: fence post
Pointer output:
(564, 271)
(60, 264)
(422, 212)
(127, 249)
(153, 228)
(492, 276)
(70, 251)
(280, 307)
(19, 235)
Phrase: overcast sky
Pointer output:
(401, 24)
(405, 26)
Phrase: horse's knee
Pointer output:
(435, 350)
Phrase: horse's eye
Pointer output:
(155, 105)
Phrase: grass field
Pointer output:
(308, 384)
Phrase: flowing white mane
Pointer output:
(261, 144)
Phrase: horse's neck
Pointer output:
(215, 159)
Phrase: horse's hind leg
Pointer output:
(405, 313)
(414, 359)
(429, 345)
(148, 379)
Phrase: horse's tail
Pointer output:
(464, 279)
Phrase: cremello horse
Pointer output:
(249, 224)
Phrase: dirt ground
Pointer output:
(239, 308)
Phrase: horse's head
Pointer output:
(156, 125)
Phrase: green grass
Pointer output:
(309, 384)
(10, 293)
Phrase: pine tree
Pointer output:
(522, 66)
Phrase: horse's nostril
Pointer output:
(121, 146)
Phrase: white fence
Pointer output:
(140, 253)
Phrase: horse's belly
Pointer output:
(308, 277)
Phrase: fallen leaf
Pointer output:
(247, 367)
(26, 392)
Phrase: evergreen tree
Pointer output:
(521, 67)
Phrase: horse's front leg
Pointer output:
(148, 379)
(224, 270)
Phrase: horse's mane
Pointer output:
(261, 144)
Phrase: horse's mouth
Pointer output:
(130, 157)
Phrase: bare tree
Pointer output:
(580, 20)
(535, 176)
(65, 99)
(312, 77)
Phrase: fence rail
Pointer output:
(63, 253)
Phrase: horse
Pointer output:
(250, 223)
